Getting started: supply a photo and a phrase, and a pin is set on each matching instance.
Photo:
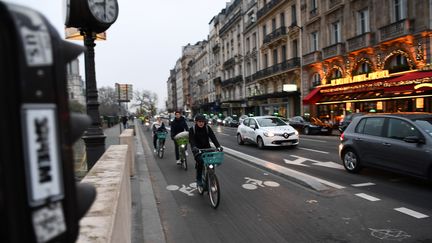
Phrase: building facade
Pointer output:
(75, 83)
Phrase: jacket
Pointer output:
(178, 126)
(199, 137)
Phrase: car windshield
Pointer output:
(425, 124)
(270, 122)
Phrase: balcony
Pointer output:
(312, 57)
(275, 35)
(276, 69)
(333, 3)
(233, 80)
(267, 8)
(229, 63)
(395, 30)
(216, 48)
(228, 24)
(337, 49)
(361, 41)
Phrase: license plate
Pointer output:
(324, 130)
(286, 143)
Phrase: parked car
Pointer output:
(267, 131)
(230, 122)
(311, 125)
(400, 142)
(347, 120)
(242, 117)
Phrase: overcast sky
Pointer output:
(145, 41)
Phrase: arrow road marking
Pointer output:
(300, 160)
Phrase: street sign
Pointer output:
(124, 92)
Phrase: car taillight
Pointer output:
(342, 136)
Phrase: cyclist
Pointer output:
(178, 125)
(199, 135)
(158, 126)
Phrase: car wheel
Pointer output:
(240, 139)
(351, 161)
(260, 143)
(306, 130)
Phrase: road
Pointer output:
(263, 205)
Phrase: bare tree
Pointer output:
(146, 102)
(108, 103)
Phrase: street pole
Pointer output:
(94, 137)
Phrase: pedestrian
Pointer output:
(200, 135)
(178, 125)
(155, 126)
(124, 120)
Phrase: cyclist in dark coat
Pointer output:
(199, 136)
(178, 125)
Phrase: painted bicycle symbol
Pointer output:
(252, 184)
(188, 190)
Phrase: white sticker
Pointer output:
(42, 153)
(48, 222)
(35, 36)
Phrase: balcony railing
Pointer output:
(216, 48)
(228, 24)
(312, 57)
(337, 49)
(229, 63)
(397, 29)
(333, 3)
(267, 8)
(360, 41)
(278, 68)
(233, 80)
(276, 34)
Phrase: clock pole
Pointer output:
(94, 137)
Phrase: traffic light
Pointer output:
(39, 198)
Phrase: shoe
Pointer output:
(154, 150)
(199, 183)
(164, 147)
(178, 162)
(186, 153)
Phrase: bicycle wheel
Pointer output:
(160, 150)
(213, 190)
(184, 162)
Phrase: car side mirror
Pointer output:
(414, 139)
(253, 126)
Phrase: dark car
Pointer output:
(400, 142)
(347, 120)
(310, 125)
(230, 122)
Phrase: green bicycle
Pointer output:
(211, 158)
(181, 143)
(161, 136)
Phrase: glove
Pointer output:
(220, 149)
(195, 150)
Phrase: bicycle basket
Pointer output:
(182, 140)
(161, 135)
(214, 158)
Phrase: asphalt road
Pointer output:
(263, 205)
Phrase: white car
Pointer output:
(267, 131)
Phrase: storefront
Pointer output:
(373, 92)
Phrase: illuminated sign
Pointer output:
(361, 78)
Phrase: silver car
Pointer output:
(267, 131)
(400, 142)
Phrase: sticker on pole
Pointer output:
(48, 222)
(41, 150)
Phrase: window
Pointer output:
(283, 53)
(247, 44)
(295, 48)
(370, 126)
(335, 33)
(275, 57)
(264, 30)
(399, 129)
(273, 24)
(316, 80)
(314, 41)
(314, 4)
(363, 21)
(293, 15)
(282, 19)
(265, 61)
(399, 10)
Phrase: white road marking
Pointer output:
(300, 160)
(367, 197)
(363, 184)
(313, 140)
(314, 150)
(225, 134)
(411, 213)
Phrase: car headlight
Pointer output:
(296, 132)
(268, 134)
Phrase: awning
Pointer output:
(407, 82)
(312, 97)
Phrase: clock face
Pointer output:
(105, 11)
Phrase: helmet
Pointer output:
(200, 117)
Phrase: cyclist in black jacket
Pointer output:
(178, 125)
(199, 136)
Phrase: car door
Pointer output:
(412, 158)
(252, 130)
(367, 139)
(244, 127)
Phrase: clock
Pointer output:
(104, 11)
(94, 15)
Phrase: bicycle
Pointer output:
(211, 158)
(181, 143)
(161, 136)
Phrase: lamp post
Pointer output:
(94, 137)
